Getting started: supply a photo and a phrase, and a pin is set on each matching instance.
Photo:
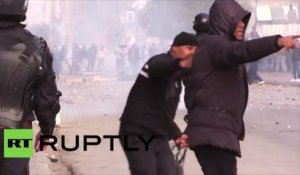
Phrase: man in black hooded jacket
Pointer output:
(215, 116)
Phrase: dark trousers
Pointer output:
(158, 160)
(216, 161)
(253, 75)
(12, 166)
(296, 70)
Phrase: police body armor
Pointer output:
(20, 64)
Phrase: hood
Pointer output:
(224, 16)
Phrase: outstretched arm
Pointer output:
(235, 53)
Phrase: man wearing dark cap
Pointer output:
(151, 107)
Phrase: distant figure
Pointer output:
(253, 76)
(61, 55)
(295, 63)
(83, 57)
(102, 53)
(133, 57)
(292, 15)
(75, 67)
(55, 54)
(91, 57)
(120, 58)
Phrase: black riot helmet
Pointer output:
(201, 23)
(13, 10)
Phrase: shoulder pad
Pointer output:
(40, 42)
(28, 33)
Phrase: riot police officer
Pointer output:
(27, 81)
(200, 24)
(201, 27)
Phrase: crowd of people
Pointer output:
(129, 58)
(80, 58)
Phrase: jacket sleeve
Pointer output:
(233, 53)
(161, 66)
(175, 132)
(46, 99)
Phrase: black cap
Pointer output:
(185, 38)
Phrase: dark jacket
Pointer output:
(187, 80)
(41, 95)
(153, 100)
(220, 80)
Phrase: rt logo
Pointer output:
(18, 143)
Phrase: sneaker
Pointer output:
(261, 82)
(293, 80)
(297, 80)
